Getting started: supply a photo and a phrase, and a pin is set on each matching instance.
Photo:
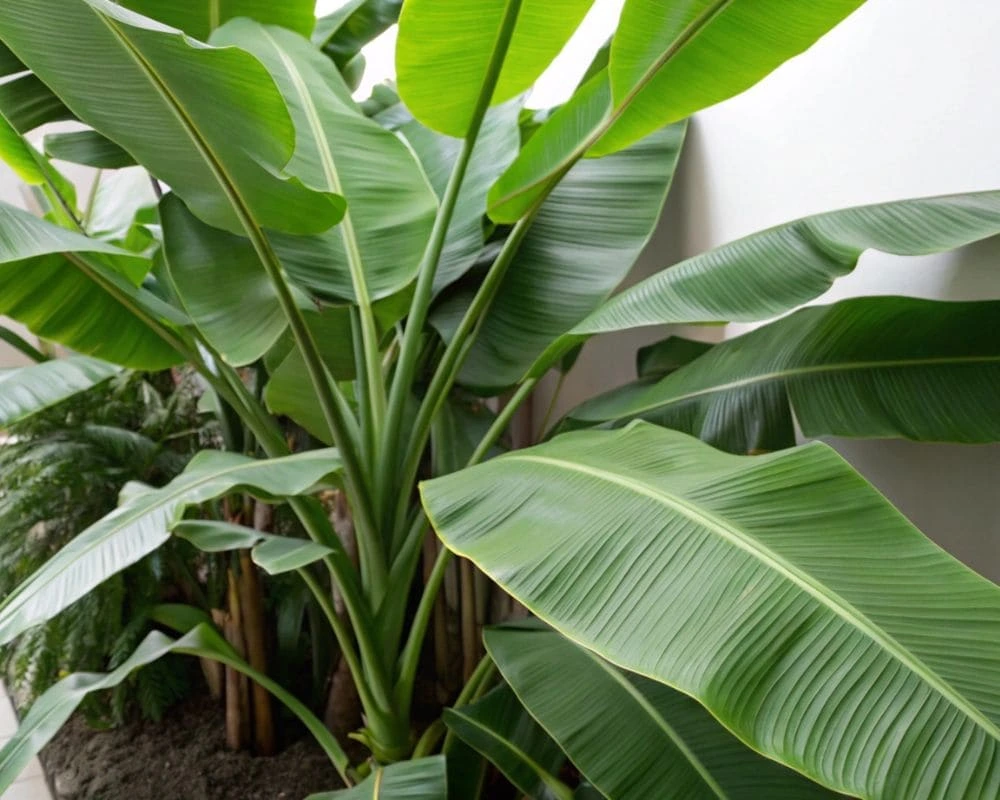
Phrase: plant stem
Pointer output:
(410, 348)
(551, 407)
(454, 355)
(410, 657)
(332, 403)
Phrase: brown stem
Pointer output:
(470, 644)
(237, 691)
(255, 634)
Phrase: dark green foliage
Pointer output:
(62, 470)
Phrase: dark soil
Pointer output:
(182, 758)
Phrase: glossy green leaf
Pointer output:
(669, 355)
(498, 727)
(763, 587)
(143, 522)
(198, 18)
(79, 302)
(56, 706)
(342, 34)
(668, 62)
(632, 737)
(221, 284)
(449, 43)
(868, 367)
(273, 554)
(28, 103)
(773, 271)
(583, 242)
(209, 122)
(423, 779)
(88, 148)
(391, 207)
(495, 148)
(27, 390)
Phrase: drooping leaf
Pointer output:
(377, 248)
(667, 63)
(221, 284)
(761, 586)
(27, 390)
(88, 148)
(199, 18)
(583, 242)
(143, 523)
(56, 706)
(669, 355)
(82, 303)
(342, 34)
(273, 554)
(867, 367)
(630, 736)
(422, 779)
(773, 271)
(449, 43)
(498, 727)
(207, 121)
(495, 148)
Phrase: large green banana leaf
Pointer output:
(143, 522)
(498, 727)
(868, 367)
(666, 62)
(495, 148)
(199, 18)
(221, 284)
(583, 242)
(781, 591)
(669, 61)
(51, 281)
(773, 271)
(207, 121)
(631, 737)
(377, 248)
(423, 779)
(445, 46)
(50, 711)
(27, 390)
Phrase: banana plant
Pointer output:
(748, 624)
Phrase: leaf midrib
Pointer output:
(543, 774)
(651, 711)
(796, 372)
(828, 599)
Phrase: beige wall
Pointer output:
(898, 101)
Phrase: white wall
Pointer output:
(898, 101)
